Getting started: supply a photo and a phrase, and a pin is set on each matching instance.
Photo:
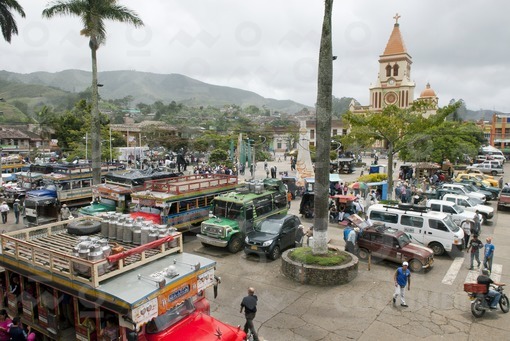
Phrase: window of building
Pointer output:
(335, 132)
(388, 70)
(312, 134)
(395, 70)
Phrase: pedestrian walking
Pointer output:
(16, 207)
(467, 227)
(273, 172)
(216, 283)
(478, 223)
(289, 199)
(249, 304)
(402, 278)
(4, 209)
(474, 248)
(300, 234)
(488, 254)
(350, 245)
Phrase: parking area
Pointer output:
(361, 310)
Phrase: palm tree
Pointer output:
(7, 22)
(93, 14)
(324, 107)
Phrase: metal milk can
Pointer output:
(127, 236)
(144, 239)
(119, 230)
(95, 254)
(137, 231)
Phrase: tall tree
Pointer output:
(93, 14)
(398, 128)
(7, 22)
(323, 119)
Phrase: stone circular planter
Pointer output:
(319, 275)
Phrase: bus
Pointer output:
(115, 193)
(69, 287)
(182, 202)
(235, 213)
(70, 184)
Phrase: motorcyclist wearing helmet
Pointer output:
(493, 294)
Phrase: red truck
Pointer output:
(148, 292)
(504, 198)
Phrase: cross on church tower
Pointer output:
(396, 17)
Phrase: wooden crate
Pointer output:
(475, 288)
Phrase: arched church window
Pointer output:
(388, 70)
(395, 70)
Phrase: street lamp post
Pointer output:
(338, 148)
(252, 144)
(111, 153)
(87, 147)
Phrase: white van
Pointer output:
(432, 229)
(458, 213)
(493, 153)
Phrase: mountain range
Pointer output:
(145, 87)
(39, 88)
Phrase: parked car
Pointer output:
(393, 245)
(432, 229)
(504, 198)
(458, 213)
(272, 235)
(470, 205)
(488, 168)
(488, 194)
(493, 182)
(471, 177)
(492, 193)
(465, 191)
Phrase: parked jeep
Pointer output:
(504, 198)
(393, 245)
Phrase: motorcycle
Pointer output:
(480, 300)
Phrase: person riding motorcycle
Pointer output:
(493, 294)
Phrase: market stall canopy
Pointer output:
(359, 185)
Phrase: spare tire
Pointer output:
(84, 227)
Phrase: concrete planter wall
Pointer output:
(319, 275)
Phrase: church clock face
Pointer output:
(391, 81)
(390, 98)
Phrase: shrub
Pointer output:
(332, 258)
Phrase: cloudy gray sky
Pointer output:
(271, 46)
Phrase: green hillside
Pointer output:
(148, 88)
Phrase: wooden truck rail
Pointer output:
(190, 183)
(49, 248)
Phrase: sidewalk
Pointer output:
(11, 223)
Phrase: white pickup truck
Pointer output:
(458, 213)
(469, 205)
(491, 168)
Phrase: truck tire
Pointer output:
(363, 254)
(236, 244)
(437, 248)
(275, 254)
(84, 227)
(415, 265)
